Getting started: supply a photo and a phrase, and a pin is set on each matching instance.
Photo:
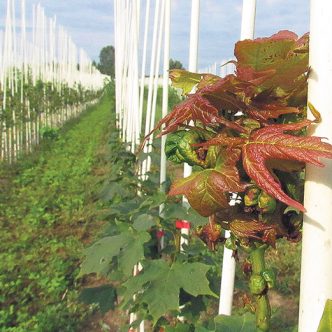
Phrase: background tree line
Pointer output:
(106, 63)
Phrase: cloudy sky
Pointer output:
(90, 23)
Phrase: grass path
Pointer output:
(48, 210)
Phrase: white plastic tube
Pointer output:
(163, 161)
(316, 270)
(228, 266)
(165, 85)
(248, 19)
(193, 55)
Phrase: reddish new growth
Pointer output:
(259, 111)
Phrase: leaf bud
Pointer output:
(257, 284)
(230, 244)
(270, 278)
(266, 203)
(251, 196)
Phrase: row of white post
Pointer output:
(47, 55)
(316, 285)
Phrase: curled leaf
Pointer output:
(207, 191)
(272, 143)
(253, 229)
(263, 112)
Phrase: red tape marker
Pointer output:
(182, 224)
(160, 234)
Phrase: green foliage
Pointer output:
(49, 133)
(175, 64)
(127, 246)
(107, 60)
(104, 296)
(47, 207)
(158, 285)
(243, 323)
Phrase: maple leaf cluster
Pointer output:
(256, 118)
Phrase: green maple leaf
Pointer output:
(243, 323)
(104, 295)
(186, 80)
(159, 284)
(127, 246)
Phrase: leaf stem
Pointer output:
(263, 309)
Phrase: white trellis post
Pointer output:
(163, 162)
(228, 265)
(193, 55)
(316, 270)
(151, 92)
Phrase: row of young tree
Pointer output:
(45, 80)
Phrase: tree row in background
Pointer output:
(45, 80)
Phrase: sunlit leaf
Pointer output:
(186, 80)
(207, 191)
(272, 143)
(195, 108)
(276, 61)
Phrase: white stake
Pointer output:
(316, 270)
(228, 267)
(142, 82)
(151, 81)
(163, 161)
(193, 55)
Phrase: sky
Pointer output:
(90, 23)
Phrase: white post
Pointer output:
(228, 266)
(148, 113)
(316, 270)
(193, 55)
(142, 82)
(248, 19)
(165, 86)
(163, 162)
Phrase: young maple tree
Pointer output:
(246, 133)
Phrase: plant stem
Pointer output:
(263, 309)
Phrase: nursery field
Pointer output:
(57, 200)
(49, 210)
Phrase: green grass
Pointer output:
(48, 210)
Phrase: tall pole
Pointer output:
(316, 268)
(248, 19)
(165, 85)
(193, 55)
(228, 265)
(164, 110)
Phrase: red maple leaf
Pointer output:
(207, 191)
(262, 112)
(195, 108)
(272, 143)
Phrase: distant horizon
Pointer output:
(91, 25)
